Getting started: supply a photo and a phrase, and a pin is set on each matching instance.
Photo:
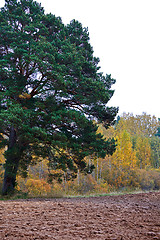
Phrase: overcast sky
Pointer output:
(125, 35)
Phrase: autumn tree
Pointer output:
(143, 152)
(143, 124)
(50, 91)
(121, 165)
(136, 161)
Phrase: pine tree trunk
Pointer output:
(11, 165)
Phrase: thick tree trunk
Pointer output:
(11, 165)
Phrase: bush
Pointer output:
(57, 190)
(148, 179)
(38, 187)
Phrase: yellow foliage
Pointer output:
(107, 133)
(123, 163)
(57, 190)
(2, 159)
(148, 179)
(143, 152)
(144, 124)
(124, 157)
(25, 96)
(38, 187)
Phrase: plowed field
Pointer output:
(135, 216)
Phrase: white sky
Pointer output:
(125, 35)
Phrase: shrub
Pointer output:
(148, 179)
(38, 187)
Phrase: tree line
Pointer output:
(134, 165)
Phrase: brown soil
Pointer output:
(135, 216)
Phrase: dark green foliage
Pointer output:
(155, 146)
(50, 90)
(158, 130)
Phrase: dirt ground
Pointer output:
(135, 216)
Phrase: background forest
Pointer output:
(134, 165)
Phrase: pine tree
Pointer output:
(50, 91)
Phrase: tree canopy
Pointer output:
(51, 90)
(158, 130)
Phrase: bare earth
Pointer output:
(135, 216)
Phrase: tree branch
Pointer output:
(35, 89)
